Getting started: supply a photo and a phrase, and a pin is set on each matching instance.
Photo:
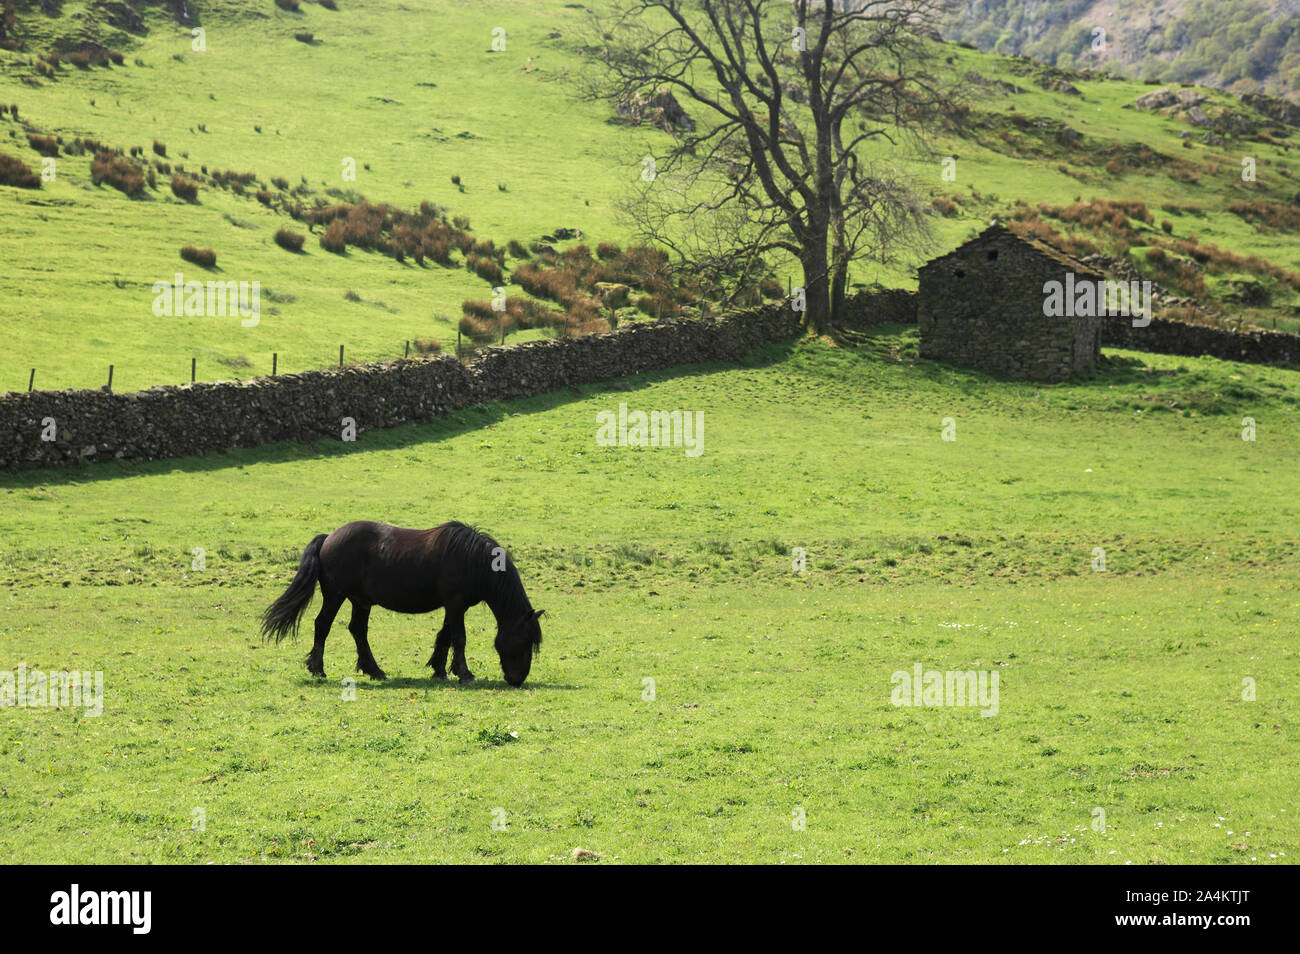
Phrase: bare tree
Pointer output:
(788, 92)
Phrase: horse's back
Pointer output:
(382, 564)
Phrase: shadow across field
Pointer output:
(427, 682)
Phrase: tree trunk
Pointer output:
(817, 317)
(839, 288)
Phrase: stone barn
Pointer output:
(983, 305)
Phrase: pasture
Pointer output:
(1121, 690)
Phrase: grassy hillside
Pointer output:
(1120, 690)
(417, 96)
(414, 97)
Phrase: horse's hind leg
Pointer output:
(358, 626)
(324, 620)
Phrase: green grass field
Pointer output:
(1120, 690)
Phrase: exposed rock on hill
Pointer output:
(659, 109)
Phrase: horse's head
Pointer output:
(516, 644)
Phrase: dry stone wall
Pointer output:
(879, 306)
(1176, 337)
(59, 428)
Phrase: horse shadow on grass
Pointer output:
(464, 421)
(415, 682)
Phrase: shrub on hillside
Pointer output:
(45, 145)
(530, 313)
(1272, 214)
(289, 240)
(187, 190)
(117, 171)
(15, 172)
(290, 5)
(160, 148)
(944, 206)
(557, 285)
(477, 329)
(436, 249)
(332, 239)
(361, 225)
(485, 268)
(427, 346)
(304, 37)
(204, 257)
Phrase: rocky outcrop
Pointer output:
(659, 109)
(1278, 110)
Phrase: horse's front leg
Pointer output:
(442, 644)
(455, 622)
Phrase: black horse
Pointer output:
(411, 571)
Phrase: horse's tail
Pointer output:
(282, 616)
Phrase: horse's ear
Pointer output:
(537, 614)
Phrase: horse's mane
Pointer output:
(474, 548)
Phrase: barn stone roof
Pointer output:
(998, 232)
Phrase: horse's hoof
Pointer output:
(378, 674)
(440, 675)
(467, 678)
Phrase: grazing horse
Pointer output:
(411, 571)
